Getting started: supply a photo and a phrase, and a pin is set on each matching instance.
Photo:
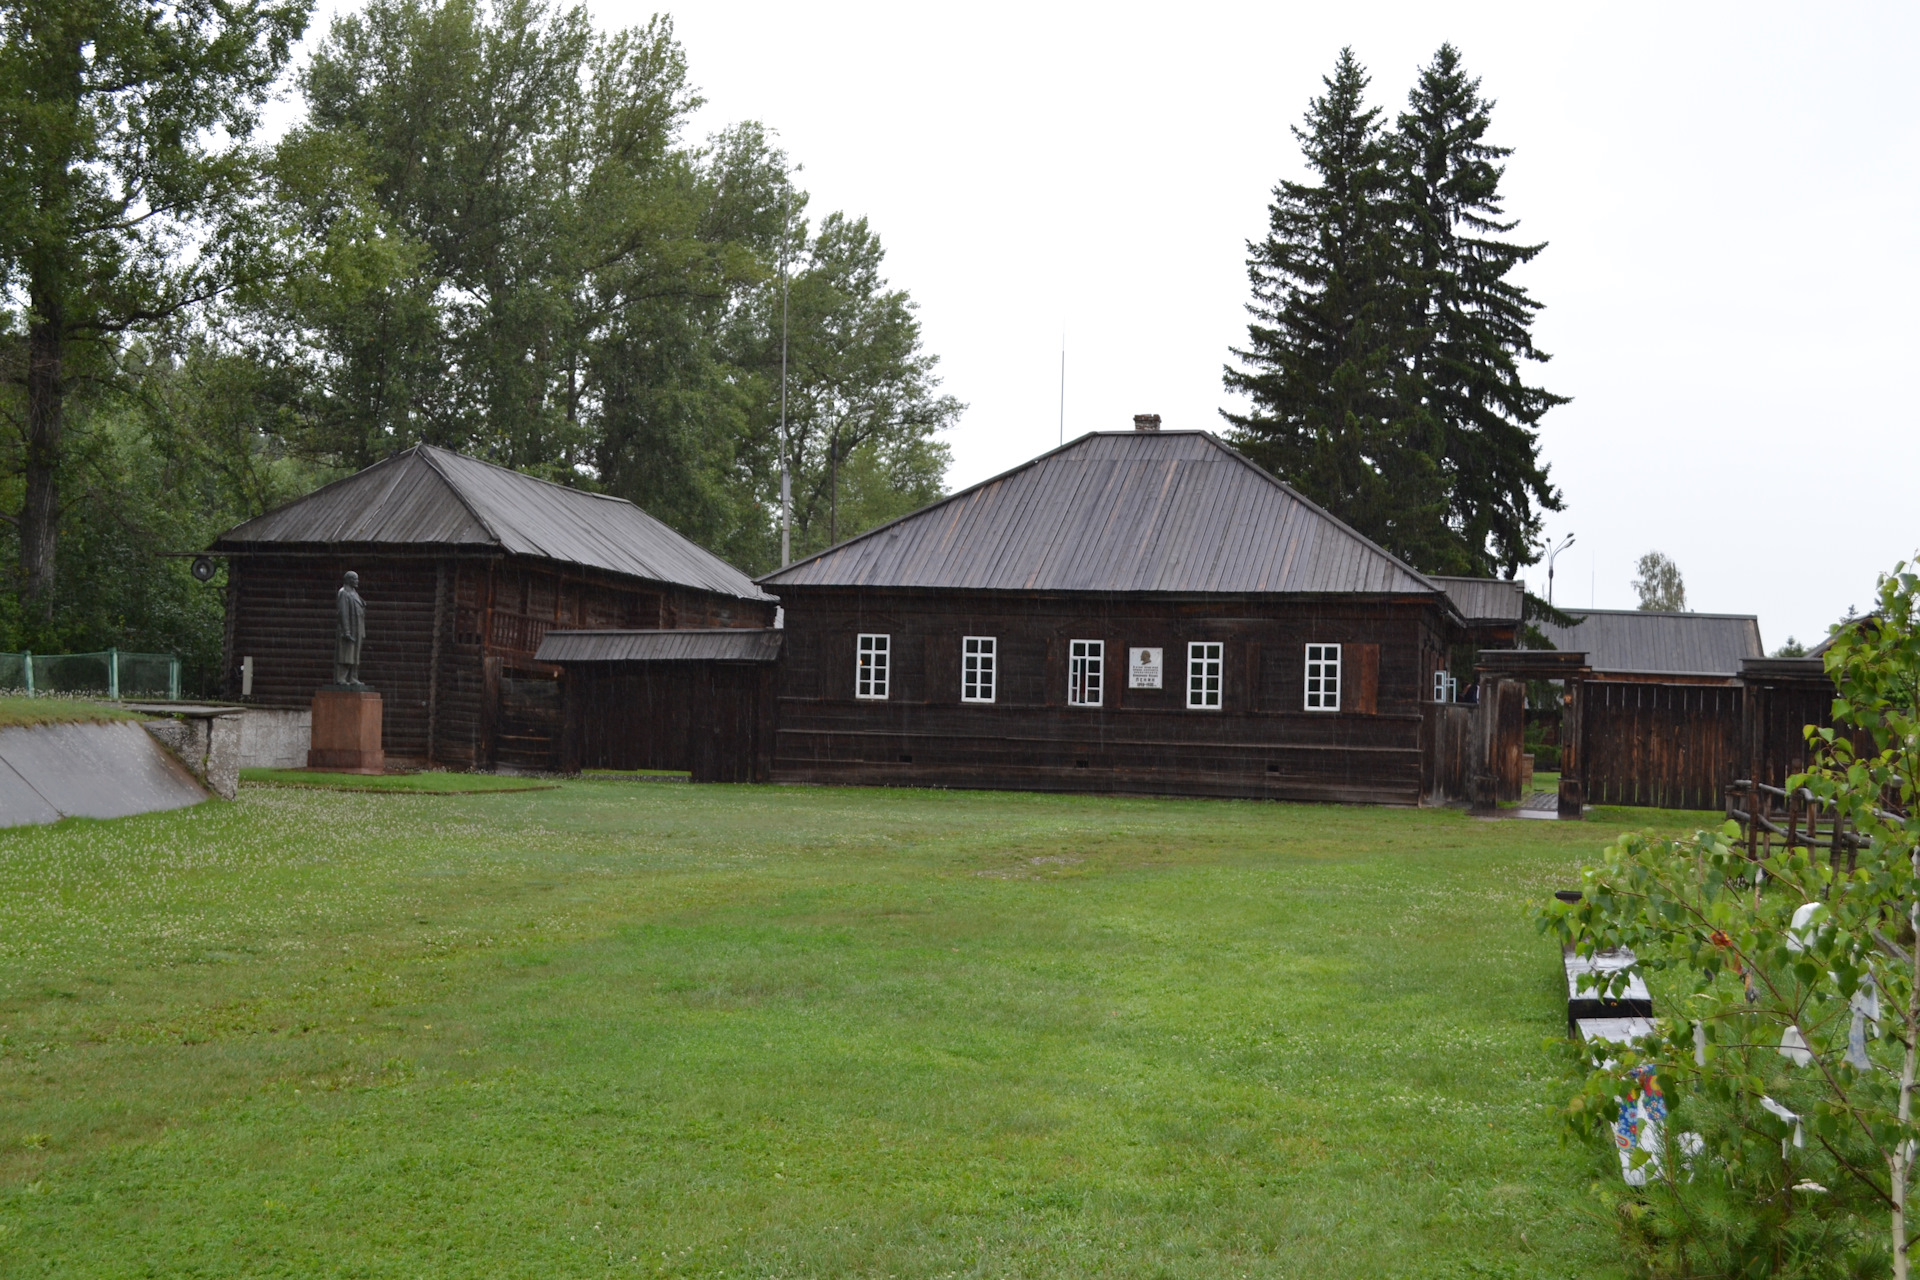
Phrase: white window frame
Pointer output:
(1445, 687)
(1206, 678)
(872, 666)
(1086, 672)
(1323, 677)
(979, 668)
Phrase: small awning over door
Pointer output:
(718, 644)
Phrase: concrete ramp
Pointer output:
(54, 771)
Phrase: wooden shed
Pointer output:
(698, 700)
(1139, 611)
(465, 566)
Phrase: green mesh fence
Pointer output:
(113, 673)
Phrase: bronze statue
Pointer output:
(350, 631)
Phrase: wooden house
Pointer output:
(465, 567)
(1141, 611)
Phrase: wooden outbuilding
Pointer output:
(465, 566)
(1143, 611)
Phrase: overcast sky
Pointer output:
(1728, 193)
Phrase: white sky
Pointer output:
(1728, 191)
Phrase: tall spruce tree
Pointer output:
(1328, 349)
(1472, 325)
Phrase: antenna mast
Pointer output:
(1063, 386)
(786, 476)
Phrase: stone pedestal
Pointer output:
(346, 732)
(1572, 801)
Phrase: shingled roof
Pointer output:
(1118, 511)
(1644, 642)
(433, 497)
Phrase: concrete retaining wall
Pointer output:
(271, 739)
(54, 771)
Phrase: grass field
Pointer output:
(420, 784)
(19, 710)
(701, 1031)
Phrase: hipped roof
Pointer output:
(434, 497)
(1641, 641)
(1134, 511)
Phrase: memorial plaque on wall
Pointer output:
(1144, 668)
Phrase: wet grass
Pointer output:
(19, 709)
(698, 1030)
(420, 784)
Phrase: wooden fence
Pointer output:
(1667, 746)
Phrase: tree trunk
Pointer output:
(1902, 1162)
(46, 393)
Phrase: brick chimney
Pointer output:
(1146, 422)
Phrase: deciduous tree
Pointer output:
(122, 153)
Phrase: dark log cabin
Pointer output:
(465, 566)
(1139, 611)
(1662, 705)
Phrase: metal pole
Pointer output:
(1063, 387)
(173, 678)
(786, 475)
(28, 656)
(113, 675)
(833, 488)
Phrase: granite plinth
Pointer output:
(346, 731)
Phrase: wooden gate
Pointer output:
(1668, 746)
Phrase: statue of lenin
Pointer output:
(350, 631)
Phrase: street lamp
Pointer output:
(1550, 559)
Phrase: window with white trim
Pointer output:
(1323, 677)
(1086, 671)
(1445, 687)
(872, 666)
(1204, 660)
(977, 668)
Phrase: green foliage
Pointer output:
(501, 245)
(485, 233)
(1797, 976)
(1328, 348)
(1384, 359)
(158, 461)
(124, 185)
(1658, 584)
(1791, 649)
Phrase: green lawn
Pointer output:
(17, 710)
(699, 1030)
(420, 784)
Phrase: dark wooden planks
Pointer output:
(451, 640)
(1662, 745)
(1261, 742)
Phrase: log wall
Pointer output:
(450, 641)
(1261, 743)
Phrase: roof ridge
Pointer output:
(390, 460)
(1311, 505)
(1293, 493)
(427, 452)
(1666, 613)
(951, 498)
(522, 475)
